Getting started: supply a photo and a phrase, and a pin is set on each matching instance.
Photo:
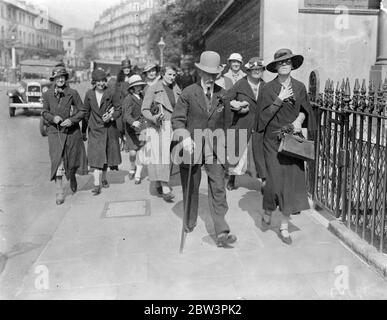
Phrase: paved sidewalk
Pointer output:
(94, 256)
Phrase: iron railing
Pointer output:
(349, 176)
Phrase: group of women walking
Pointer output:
(138, 110)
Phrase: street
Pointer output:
(124, 244)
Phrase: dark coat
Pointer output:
(286, 186)
(103, 145)
(131, 112)
(120, 92)
(242, 92)
(65, 143)
(191, 112)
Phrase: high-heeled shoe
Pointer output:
(266, 221)
(287, 240)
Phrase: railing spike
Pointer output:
(371, 87)
(357, 86)
(363, 87)
(332, 86)
(347, 91)
(327, 85)
(342, 86)
(338, 86)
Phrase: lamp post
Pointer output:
(161, 46)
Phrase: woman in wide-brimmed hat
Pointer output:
(135, 124)
(103, 145)
(284, 104)
(244, 104)
(151, 74)
(63, 110)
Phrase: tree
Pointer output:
(182, 25)
(90, 53)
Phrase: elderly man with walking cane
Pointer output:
(199, 112)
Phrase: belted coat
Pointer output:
(103, 145)
(159, 138)
(65, 143)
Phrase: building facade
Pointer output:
(121, 31)
(29, 30)
(338, 38)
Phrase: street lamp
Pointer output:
(161, 46)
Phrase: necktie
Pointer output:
(208, 95)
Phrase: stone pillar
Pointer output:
(379, 69)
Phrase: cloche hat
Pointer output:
(57, 72)
(255, 63)
(98, 75)
(136, 80)
(236, 57)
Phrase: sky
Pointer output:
(76, 13)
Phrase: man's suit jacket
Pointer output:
(192, 111)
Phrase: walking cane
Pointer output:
(187, 205)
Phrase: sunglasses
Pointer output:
(285, 62)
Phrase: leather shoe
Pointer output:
(286, 240)
(159, 190)
(231, 184)
(96, 191)
(225, 239)
(73, 183)
(168, 197)
(188, 229)
(105, 184)
(137, 181)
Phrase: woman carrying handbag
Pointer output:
(284, 103)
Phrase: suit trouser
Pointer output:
(216, 194)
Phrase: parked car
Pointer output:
(34, 82)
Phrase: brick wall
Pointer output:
(237, 31)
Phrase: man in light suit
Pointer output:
(201, 108)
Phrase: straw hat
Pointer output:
(136, 80)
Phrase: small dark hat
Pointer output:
(98, 75)
(57, 72)
(282, 55)
(126, 64)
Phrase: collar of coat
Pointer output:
(243, 86)
(161, 96)
(106, 97)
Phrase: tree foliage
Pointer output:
(182, 24)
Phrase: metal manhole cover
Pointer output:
(126, 209)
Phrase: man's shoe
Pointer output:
(96, 191)
(105, 184)
(225, 239)
(188, 229)
(73, 183)
(132, 174)
(137, 181)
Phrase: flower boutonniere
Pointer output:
(220, 102)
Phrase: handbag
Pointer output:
(297, 146)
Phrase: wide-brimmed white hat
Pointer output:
(236, 57)
(210, 62)
(136, 80)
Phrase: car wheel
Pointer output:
(42, 128)
(12, 112)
